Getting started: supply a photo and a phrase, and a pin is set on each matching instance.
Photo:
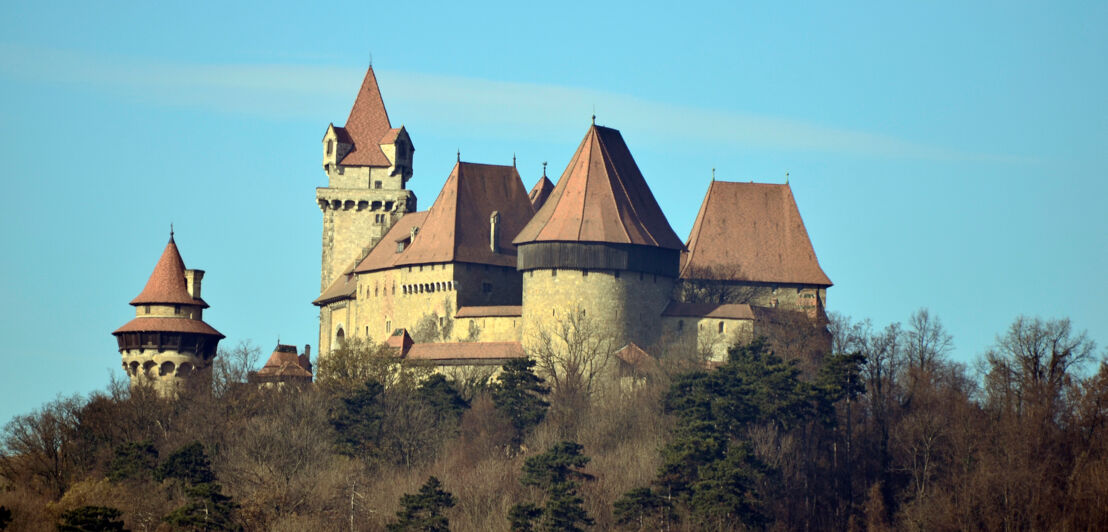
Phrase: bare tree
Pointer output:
(926, 341)
(37, 449)
(572, 355)
(716, 285)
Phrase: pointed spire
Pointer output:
(167, 282)
(513, 160)
(367, 123)
(171, 232)
(459, 155)
(544, 168)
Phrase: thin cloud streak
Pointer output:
(498, 109)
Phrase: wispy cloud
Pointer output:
(454, 104)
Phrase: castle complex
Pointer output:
(491, 271)
(489, 268)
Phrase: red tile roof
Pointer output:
(540, 192)
(636, 357)
(468, 351)
(284, 362)
(456, 227)
(751, 232)
(344, 286)
(367, 124)
(401, 341)
(167, 283)
(180, 325)
(601, 197)
(507, 311)
(709, 310)
(384, 255)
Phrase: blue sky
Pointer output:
(947, 155)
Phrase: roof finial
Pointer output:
(544, 168)
(171, 231)
(786, 177)
(459, 155)
(513, 159)
(713, 175)
(370, 66)
(594, 114)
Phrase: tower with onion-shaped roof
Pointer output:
(168, 343)
(599, 246)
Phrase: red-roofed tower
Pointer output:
(600, 245)
(168, 342)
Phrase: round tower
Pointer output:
(599, 246)
(168, 342)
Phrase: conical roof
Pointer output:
(540, 192)
(167, 285)
(367, 126)
(601, 197)
(751, 232)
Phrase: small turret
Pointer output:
(168, 342)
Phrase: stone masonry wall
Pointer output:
(627, 305)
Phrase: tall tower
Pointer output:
(168, 341)
(368, 164)
(600, 245)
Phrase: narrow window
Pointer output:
(176, 309)
(680, 325)
(376, 184)
(330, 146)
(721, 326)
(617, 274)
(486, 287)
(553, 273)
(584, 273)
(146, 309)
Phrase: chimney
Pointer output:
(305, 358)
(192, 282)
(494, 231)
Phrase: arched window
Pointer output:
(340, 338)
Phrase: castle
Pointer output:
(490, 266)
(491, 269)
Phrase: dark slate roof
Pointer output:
(167, 285)
(601, 197)
(751, 232)
(367, 125)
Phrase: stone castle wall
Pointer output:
(627, 304)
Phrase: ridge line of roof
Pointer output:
(698, 226)
(613, 172)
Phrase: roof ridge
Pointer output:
(698, 226)
(614, 178)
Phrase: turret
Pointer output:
(168, 342)
(600, 245)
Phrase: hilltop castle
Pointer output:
(490, 270)
(480, 275)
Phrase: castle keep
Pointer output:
(481, 274)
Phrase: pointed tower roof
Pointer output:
(167, 285)
(751, 232)
(540, 192)
(367, 126)
(284, 363)
(456, 227)
(601, 197)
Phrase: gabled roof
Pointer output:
(167, 285)
(384, 255)
(601, 197)
(540, 192)
(457, 227)
(636, 357)
(751, 232)
(366, 126)
(734, 311)
(284, 362)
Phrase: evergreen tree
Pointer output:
(423, 511)
(207, 508)
(134, 460)
(357, 420)
(444, 399)
(519, 394)
(558, 473)
(644, 509)
(189, 464)
(90, 518)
